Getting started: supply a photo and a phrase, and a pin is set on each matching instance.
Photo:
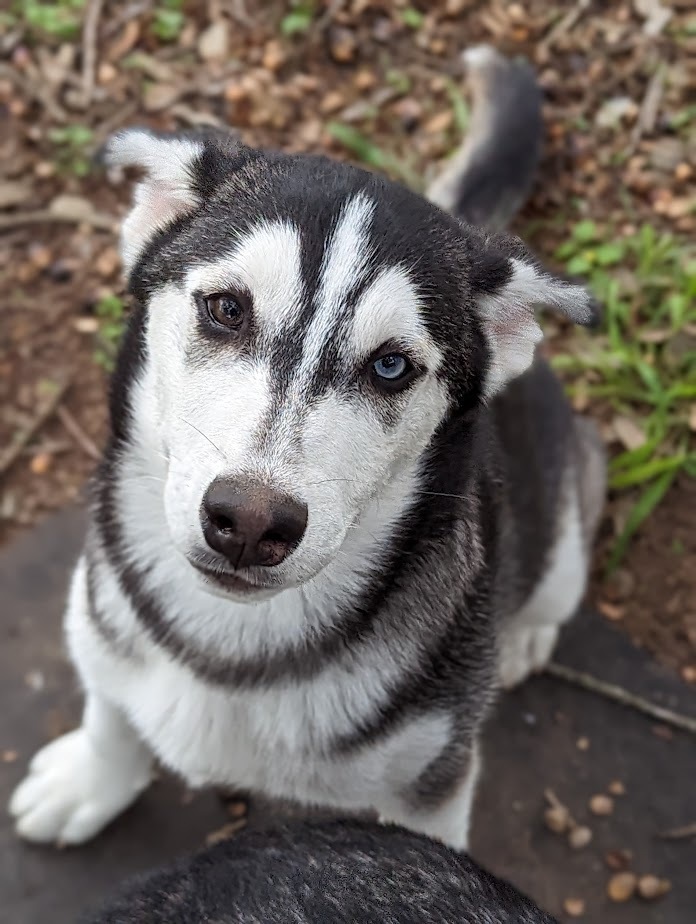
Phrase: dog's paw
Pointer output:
(524, 651)
(71, 792)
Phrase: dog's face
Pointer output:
(307, 329)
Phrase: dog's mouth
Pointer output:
(228, 580)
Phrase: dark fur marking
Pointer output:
(338, 872)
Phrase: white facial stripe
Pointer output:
(391, 306)
(267, 263)
(346, 260)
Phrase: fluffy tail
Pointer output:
(490, 176)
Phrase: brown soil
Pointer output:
(360, 64)
(654, 594)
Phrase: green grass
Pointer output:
(300, 17)
(72, 145)
(61, 19)
(412, 17)
(371, 154)
(643, 363)
(168, 20)
(460, 107)
(111, 312)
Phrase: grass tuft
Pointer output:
(643, 363)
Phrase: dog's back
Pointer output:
(334, 872)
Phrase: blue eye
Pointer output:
(391, 368)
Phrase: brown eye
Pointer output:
(225, 310)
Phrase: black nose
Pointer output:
(251, 524)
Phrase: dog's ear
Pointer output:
(179, 170)
(508, 284)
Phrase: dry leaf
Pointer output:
(655, 15)
(213, 42)
(630, 435)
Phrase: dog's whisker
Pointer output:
(442, 494)
(194, 427)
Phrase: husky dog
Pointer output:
(341, 501)
(332, 873)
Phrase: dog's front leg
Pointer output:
(79, 783)
(423, 809)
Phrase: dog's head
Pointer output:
(305, 329)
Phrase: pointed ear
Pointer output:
(507, 288)
(179, 171)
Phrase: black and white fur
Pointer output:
(448, 524)
(333, 873)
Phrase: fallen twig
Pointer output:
(647, 116)
(14, 450)
(678, 834)
(89, 48)
(44, 216)
(565, 24)
(78, 434)
(30, 83)
(619, 695)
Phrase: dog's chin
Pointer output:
(233, 586)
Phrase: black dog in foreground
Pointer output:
(331, 873)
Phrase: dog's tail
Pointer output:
(490, 176)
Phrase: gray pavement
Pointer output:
(531, 745)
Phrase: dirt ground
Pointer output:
(391, 69)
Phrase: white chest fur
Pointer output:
(273, 739)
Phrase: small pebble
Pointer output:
(601, 805)
(365, 80)
(273, 56)
(579, 837)
(617, 788)
(343, 45)
(583, 744)
(622, 886)
(236, 809)
(9, 757)
(41, 463)
(575, 907)
(557, 819)
(651, 887)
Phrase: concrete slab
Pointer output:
(531, 745)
